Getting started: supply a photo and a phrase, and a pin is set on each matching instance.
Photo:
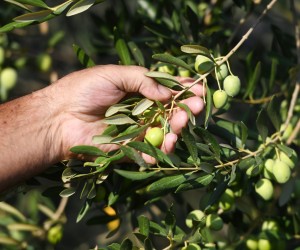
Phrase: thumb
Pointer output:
(133, 79)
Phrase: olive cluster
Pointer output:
(222, 73)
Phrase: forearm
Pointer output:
(27, 132)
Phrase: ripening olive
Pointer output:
(167, 69)
(264, 188)
(251, 243)
(155, 136)
(8, 78)
(232, 85)
(194, 217)
(264, 244)
(203, 64)
(184, 72)
(214, 222)
(222, 72)
(44, 62)
(268, 168)
(227, 200)
(281, 171)
(270, 224)
(55, 234)
(220, 98)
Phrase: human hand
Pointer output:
(84, 97)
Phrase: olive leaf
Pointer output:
(83, 58)
(118, 119)
(119, 107)
(135, 176)
(80, 6)
(34, 16)
(196, 49)
(142, 106)
(137, 53)
(87, 150)
(133, 154)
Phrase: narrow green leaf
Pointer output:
(169, 84)
(36, 3)
(188, 111)
(286, 192)
(119, 107)
(167, 183)
(133, 175)
(83, 58)
(208, 106)
(199, 182)
(142, 106)
(86, 206)
(80, 7)
(144, 225)
(209, 139)
(273, 73)
(68, 192)
(101, 139)
(255, 76)
(122, 48)
(262, 124)
(150, 150)
(5, 240)
(14, 25)
(33, 16)
(18, 4)
(126, 244)
(132, 154)
(162, 75)
(57, 10)
(130, 133)
(285, 149)
(272, 110)
(137, 53)
(68, 174)
(23, 227)
(87, 150)
(167, 58)
(190, 143)
(196, 49)
(157, 229)
(119, 119)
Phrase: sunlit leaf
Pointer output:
(68, 192)
(188, 111)
(83, 210)
(5, 207)
(18, 4)
(119, 107)
(23, 227)
(101, 139)
(122, 48)
(142, 106)
(80, 6)
(5, 240)
(68, 174)
(36, 3)
(195, 49)
(167, 58)
(118, 119)
(130, 133)
(144, 225)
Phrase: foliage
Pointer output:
(210, 192)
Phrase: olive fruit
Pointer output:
(2, 55)
(251, 243)
(194, 217)
(214, 222)
(44, 62)
(167, 69)
(268, 168)
(184, 72)
(290, 161)
(232, 85)
(264, 244)
(220, 98)
(222, 72)
(286, 131)
(155, 136)
(8, 78)
(203, 64)
(281, 171)
(270, 225)
(227, 200)
(55, 234)
(264, 188)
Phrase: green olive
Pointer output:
(222, 72)
(232, 85)
(227, 200)
(281, 171)
(184, 72)
(268, 168)
(251, 243)
(167, 69)
(44, 62)
(214, 222)
(264, 188)
(203, 64)
(286, 131)
(264, 244)
(194, 217)
(2, 55)
(155, 136)
(290, 161)
(270, 225)
(55, 234)
(8, 78)
(220, 98)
